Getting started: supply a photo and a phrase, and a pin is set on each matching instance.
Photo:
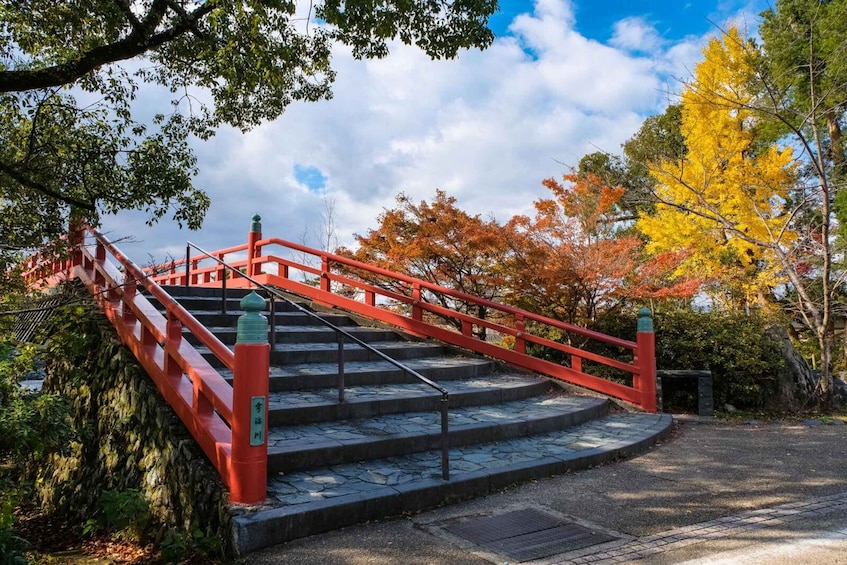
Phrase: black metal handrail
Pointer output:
(341, 336)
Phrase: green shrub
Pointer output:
(123, 513)
(15, 364)
(179, 546)
(32, 423)
(11, 545)
(743, 359)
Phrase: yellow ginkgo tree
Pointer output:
(751, 197)
(727, 200)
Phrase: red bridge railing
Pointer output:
(279, 263)
(217, 415)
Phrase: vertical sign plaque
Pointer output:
(257, 420)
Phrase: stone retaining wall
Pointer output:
(125, 435)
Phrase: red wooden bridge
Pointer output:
(232, 399)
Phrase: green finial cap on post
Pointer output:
(252, 326)
(645, 320)
(256, 226)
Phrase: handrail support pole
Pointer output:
(645, 382)
(272, 337)
(187, 265)
(445, 439)
(340, 368)
(248, 478)
(223, 292)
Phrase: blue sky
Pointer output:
(310, 177)
(673, 20)
(562, 79)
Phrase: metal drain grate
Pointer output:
(527, 534)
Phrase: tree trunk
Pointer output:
(823, 389)
(836, 143)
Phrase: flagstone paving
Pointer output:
(428, 422)
(368, 476)
(366, 393)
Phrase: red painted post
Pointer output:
(249, 468)
(76, 239)
(576, 363)
(645, 381)
(520, 342)
(254, 251)
(128, 297)
(99, 259)
(148, 340)
(173, 336)
(219, 273)
(467, 328)
(326, 285)
(417, 311)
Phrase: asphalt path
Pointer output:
(716, 492)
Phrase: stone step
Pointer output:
(215, 304)
(302, 376)
(328, 352)
(230, 319)
(378, 453)
(294, 448)
(305, 334)
(204, 291)
(321, 405)
(309, 502)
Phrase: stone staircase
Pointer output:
(377, 454)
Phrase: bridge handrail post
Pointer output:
(254, 251)
(76, 240)
(249, 471)
(645, 381)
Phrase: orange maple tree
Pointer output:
(438, 243)
(573, 261)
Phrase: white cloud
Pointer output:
(636, 34)
(487, 128)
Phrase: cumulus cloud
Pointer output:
(486, 127)
(636, 34)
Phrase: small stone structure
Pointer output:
(705, 397)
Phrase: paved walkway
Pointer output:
(733, 526)
(715, 493)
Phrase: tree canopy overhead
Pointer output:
(69, 142)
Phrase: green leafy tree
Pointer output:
(70, 143)
(32, 423)
(804, 41)
(659, 137)
(805, 76)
